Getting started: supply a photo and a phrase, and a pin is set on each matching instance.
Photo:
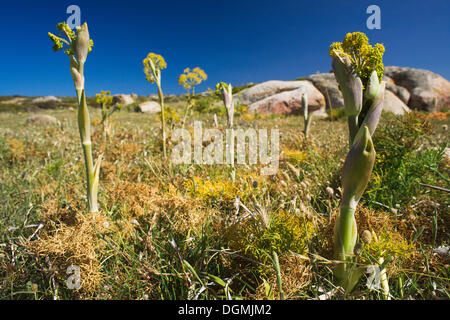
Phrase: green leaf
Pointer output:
(217, 280)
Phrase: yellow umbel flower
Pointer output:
(67, 37)
(364, 57)
(153, 64)
(191, 78)
(104, 98)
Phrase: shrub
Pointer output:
(280, 232)
(400, 166)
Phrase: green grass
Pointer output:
(166, 237)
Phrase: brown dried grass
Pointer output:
(75, 244)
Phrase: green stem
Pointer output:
(345, 229)
(344, 240)
(276, 265)
(187, 109)
(353, 128)
(91, 194)
(163, 120)
(230, 156)
(86, 143)
(307, 125)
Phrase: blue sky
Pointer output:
(237, 41)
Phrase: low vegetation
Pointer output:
(169, 231)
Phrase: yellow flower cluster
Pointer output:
(191, 78)
(211, 190)
(365, 58)
(59, 40)
(153, 63)
(294, 155)
(390, 244)
(171, 115)
(104, 98)
(64, 28)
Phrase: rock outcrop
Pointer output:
(124, 99)
(326, 83)
(428, 91)
(42, 119)
(394, 104)
(149, 107)
(290, 102)
(46, 99)
(48, 102)
(406, 89)
(266, 89)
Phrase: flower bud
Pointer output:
(227, 96)
(373, 115)
(78, 79)
(372, 86)
(81, 44)
(357, 169)
(224, 90)
(349, 84)
(305, 105)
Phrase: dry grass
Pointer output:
(125, 251)
(78, 244)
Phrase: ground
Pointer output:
(169, 231)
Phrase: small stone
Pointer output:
(330, 192)
(358, 249)
(366, 236)
(34, 287)
(293, 169)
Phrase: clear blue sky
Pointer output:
(237, 41)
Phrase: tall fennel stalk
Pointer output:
(358, 68)
(189, 79)
(105, 100)
(226, 92)
(153, 64)
(77, 46)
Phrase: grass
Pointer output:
(171, 232)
